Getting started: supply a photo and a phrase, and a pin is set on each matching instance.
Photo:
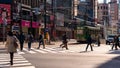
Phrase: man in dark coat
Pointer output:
(30, 40)
(21, 38)
(64, 40)
(116, 42)
(89, 42)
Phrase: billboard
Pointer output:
(60, 19)
(5, 12)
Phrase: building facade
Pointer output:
(113, 12)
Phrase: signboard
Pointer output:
(5, 8)
(25, 23)
(15, 28)
(60, 19)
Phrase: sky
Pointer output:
(101, 1)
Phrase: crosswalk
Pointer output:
(44, 51)
(19, 61)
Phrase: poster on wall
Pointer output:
(60, 19)
(5, 13)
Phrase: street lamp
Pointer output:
(4, 15)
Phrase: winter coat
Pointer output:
(89, 40)
(21, 38)
(10, 44)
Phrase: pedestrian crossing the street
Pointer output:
(44, 51)
(19, 62)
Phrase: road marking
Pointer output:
(19, 61)
(20, 52)
(38, 50)
(32, 52)
(49, 51)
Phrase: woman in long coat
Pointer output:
(10, 47)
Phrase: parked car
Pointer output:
(110, 39)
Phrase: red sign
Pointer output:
(7, 9)
(35, 24)
(25, 23)
(51, 17)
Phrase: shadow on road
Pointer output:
(113, 63)
(114, 52)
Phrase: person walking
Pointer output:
(41, 41)
(10, 47)
(21, 39)
(89, 42)
(30, 40)
(64, 42)
(116, 43)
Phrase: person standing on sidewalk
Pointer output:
(30, 40)
(41, 41)
(64, 42)
(98, 40)
(21, 38)
(10, 47)
(89, 42)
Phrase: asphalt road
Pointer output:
(73, 60)
(55, 57)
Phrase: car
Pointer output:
(110, 39)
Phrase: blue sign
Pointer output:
(6, 1)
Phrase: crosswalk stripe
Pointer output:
(19, 61)
(49, 51)
(22, 64)
(32, 52)
(46, 50)
(25, 67)
(38, 50)
(20, 52)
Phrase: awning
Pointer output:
(63, 29)
(95, 28)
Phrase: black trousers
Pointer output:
(115, 45)
(29, 45)
(65, 46)
(11, 57)
(90, 46)
(21, 46)
(42, 44)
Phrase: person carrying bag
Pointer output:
(11, 46)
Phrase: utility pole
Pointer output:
(45, 19)
(20, 14)
(4, 15)
(31, 15)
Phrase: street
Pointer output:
(55, 57)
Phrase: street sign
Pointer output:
(15, 28)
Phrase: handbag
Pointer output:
(15, 45)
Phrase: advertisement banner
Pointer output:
(35, 24)
(5, 12)
(25, 23)
(60, 19)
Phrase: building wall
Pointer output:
(86, 8)
(102, 13)
(114, 15)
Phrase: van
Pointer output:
(110, 39)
